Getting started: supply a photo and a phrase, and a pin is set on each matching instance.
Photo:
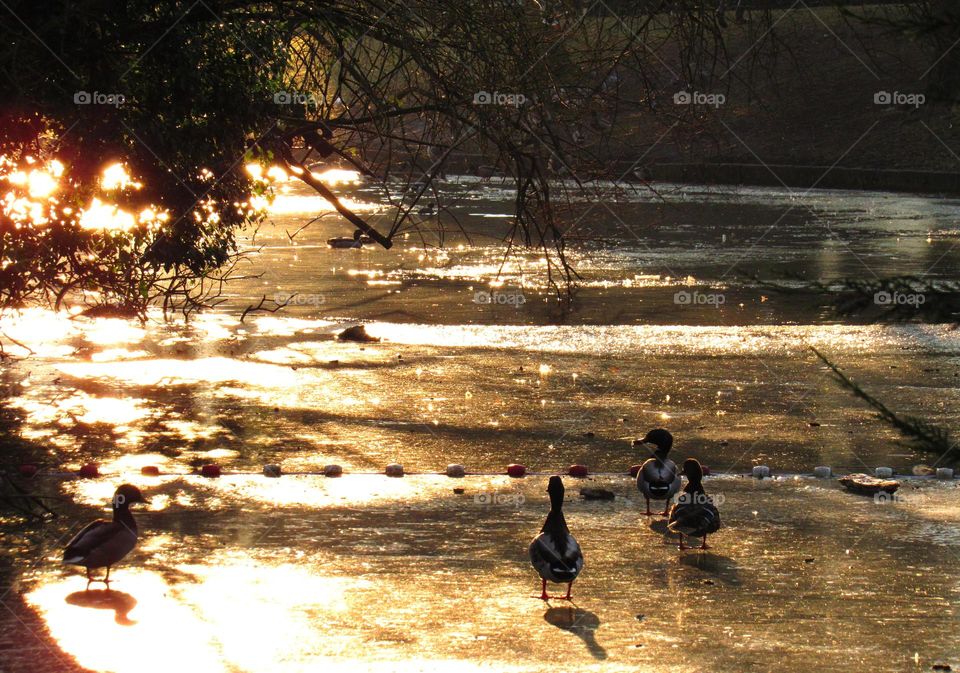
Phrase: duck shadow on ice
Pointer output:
(582, 623)
(720, 567)
(106, 599)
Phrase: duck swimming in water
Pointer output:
(694, 514)
(658, 478)
(554, 553)
(358, 241)
(102, 544)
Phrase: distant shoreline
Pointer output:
(807, 177)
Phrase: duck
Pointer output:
(555, 553)
(658, 478)
(694, 514)
(342, 242)
(102, 544)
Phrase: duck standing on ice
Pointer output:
(694, 514)
(658, 478)
(554, 553)
(102, 544)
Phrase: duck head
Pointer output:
(127, 495)
(658, 442)
(555, 489)
(692, 470)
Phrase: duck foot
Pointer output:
(544, 596)
(105, 580)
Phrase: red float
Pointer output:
(150, 471)
(578, 471)
(210, 471)
(28, 470)
(516, 470)
(706, 470)
(90, 471)
(635, 470)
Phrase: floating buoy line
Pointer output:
(458, 471)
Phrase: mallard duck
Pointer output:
(102, 544)
(341, 242)
(694, 514)
(658, 478)
(554, 553)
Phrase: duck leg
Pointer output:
(682, 546)
(90, 580)
(666, 508)
(648, 512)
(543, 592)
(106, 580)
(705, 545)
(569, 589)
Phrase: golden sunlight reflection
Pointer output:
(109, 331)
(100, 215)
(183, 372)
(40, 184)
(244, 490)
(288, 204)
(31, 199)
(126, 632)
(46, 333)
(275, 174)
(40, 330)
(234, 613)
(112, 354)
(83, 408)
(115, 176)
(318, 491)
(338, 176)
(659, 339)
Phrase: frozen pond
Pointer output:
(245, 573)
(367, 573)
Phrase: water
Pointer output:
(487, 368)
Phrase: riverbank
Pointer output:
(806, 177)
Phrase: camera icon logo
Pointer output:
(882, 298)
(282, 98)
(884, 498)
(682, 98)
(883, 98)
(683, 298)
(82, 98)
(482, 98)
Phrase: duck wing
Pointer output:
(658, 480)
(555, 559)
(697, 519)
(100, 544)
(90, 537)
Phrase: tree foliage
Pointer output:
(184, 93)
